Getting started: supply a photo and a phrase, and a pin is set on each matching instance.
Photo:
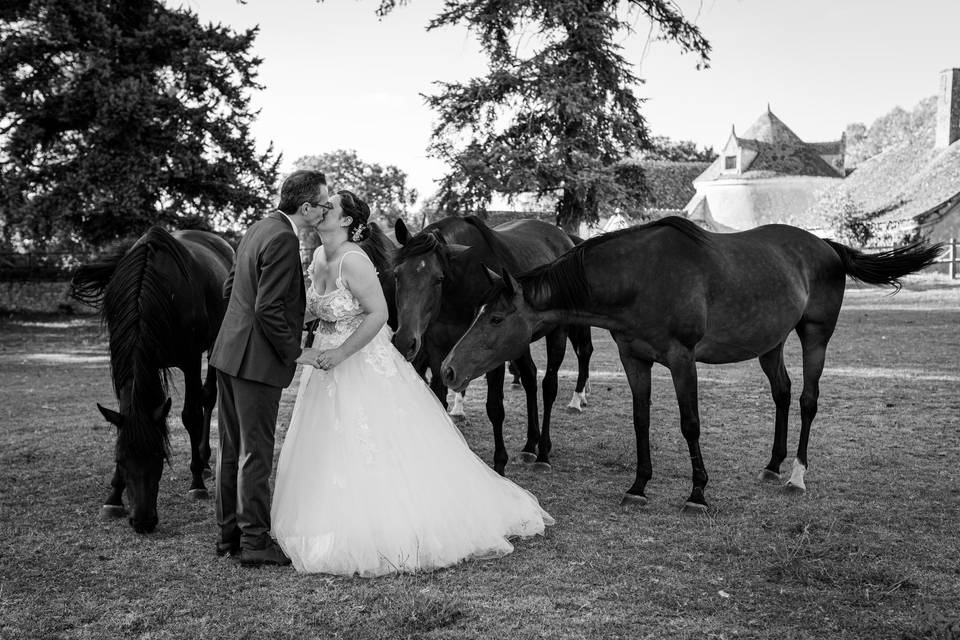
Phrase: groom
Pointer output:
(255, 354)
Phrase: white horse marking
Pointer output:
(796, 477)
(456, 409)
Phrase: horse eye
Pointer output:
(495, 320)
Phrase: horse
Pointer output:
(440, 277)
(161, 299)
(674, 294)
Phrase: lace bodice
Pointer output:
(340, 314)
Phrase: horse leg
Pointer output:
(772, 365)
(495, 414)
(556, 348)
(436, 380)
(456, 411)
(113, 505)
(582, 343)
(638, 375)
(526, 370)
(208, 400)
(512, 369)
(683, 370)
(192, 417)
(813, 340)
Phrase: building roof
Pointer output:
(779, 152)
(899, 184)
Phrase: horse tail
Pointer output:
(886, 267)
(90, 281)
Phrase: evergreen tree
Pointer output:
(556, 112)
(119, 114)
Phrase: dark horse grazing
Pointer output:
(672, 293)
(162, 303)
(441, 277)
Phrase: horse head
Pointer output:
(501, 330)
(139, 466)
(422, 266)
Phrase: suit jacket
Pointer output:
(259, 338)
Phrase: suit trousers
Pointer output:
(247, 423)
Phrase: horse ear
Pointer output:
(112, 416)
(510, 283)
(492, 275)
(160, 414)
(401, 232)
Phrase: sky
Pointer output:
(336, 76)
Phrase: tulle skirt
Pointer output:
(374, 478)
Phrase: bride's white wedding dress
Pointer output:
(374, 478)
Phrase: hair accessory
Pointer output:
(359, 232)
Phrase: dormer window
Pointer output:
(729, 163)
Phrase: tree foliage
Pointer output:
(119, 114)
(556, 112)
(383, 187)
(893, 129)
(663, 148)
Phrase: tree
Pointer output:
(663, 148)
(891, 130)
(556, 113)
(384, 188)
(119, 114)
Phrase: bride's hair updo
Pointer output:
(359, 212)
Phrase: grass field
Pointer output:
(872, 550)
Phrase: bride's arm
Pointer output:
(360, 276)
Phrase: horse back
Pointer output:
(731, 296)
(533, 242)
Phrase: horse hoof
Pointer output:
(768, 476)
(631, 502)
(542, 467)
(526, 456)
(199, 494)
(573, 409)
(693, 508)
(794, 488)
(112, 511)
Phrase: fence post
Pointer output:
(953, 258)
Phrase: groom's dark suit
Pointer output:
(255, 354)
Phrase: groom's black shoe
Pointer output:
(230, 546)
(272, 554)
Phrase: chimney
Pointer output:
(948, 108)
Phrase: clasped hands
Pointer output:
(321, 358)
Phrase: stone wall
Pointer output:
(40, 297)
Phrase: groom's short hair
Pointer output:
(299, 187)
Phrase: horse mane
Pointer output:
(562, 283)
(140, 314)
(90, 280)
(420, 244)
(379, 248)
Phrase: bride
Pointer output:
(373, 477)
